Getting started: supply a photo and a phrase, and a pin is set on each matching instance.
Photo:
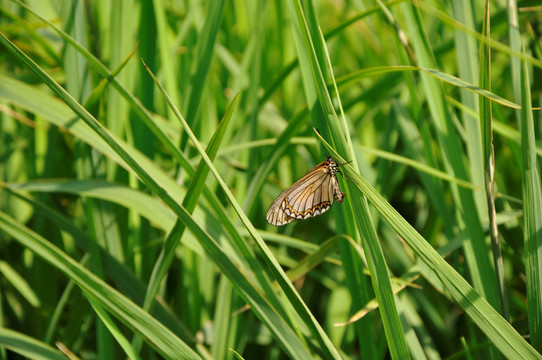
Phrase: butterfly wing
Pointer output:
(311, 195)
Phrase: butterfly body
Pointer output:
(311, 195)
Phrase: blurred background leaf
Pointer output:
(93, 182)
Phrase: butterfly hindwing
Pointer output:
(311, 195)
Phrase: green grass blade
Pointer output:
(277, 325)
(162, 339)
(413, 132)
(334, 126)
(281, 146)
(165, 49)
(202, 60)
(19, 283)
(476, 253)
(532, 214)
(434, 12)
(28, 346)
(124, 279)
(189, 202)
(273, 265)
(349, 79)
(486, 117)
(498, 330)
(113, 329)
(98, 66)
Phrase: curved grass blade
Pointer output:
(139, 109)
(450, 79)
(27, 346)
(498, 330)
(189, 202)
(275, 268)
(334, 126)
(251, 294)
(158, 336)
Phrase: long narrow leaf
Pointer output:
(532, 214)
(501, 333)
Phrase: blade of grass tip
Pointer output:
(273, 265)
(489, 165)
(278, 327)
(468, 86)
(532, 214)
(484, 315)
(97, 92)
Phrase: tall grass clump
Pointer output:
(142, 143)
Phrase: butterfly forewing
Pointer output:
(311, 195)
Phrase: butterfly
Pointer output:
(310, 196)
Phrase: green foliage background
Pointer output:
(142, 142)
